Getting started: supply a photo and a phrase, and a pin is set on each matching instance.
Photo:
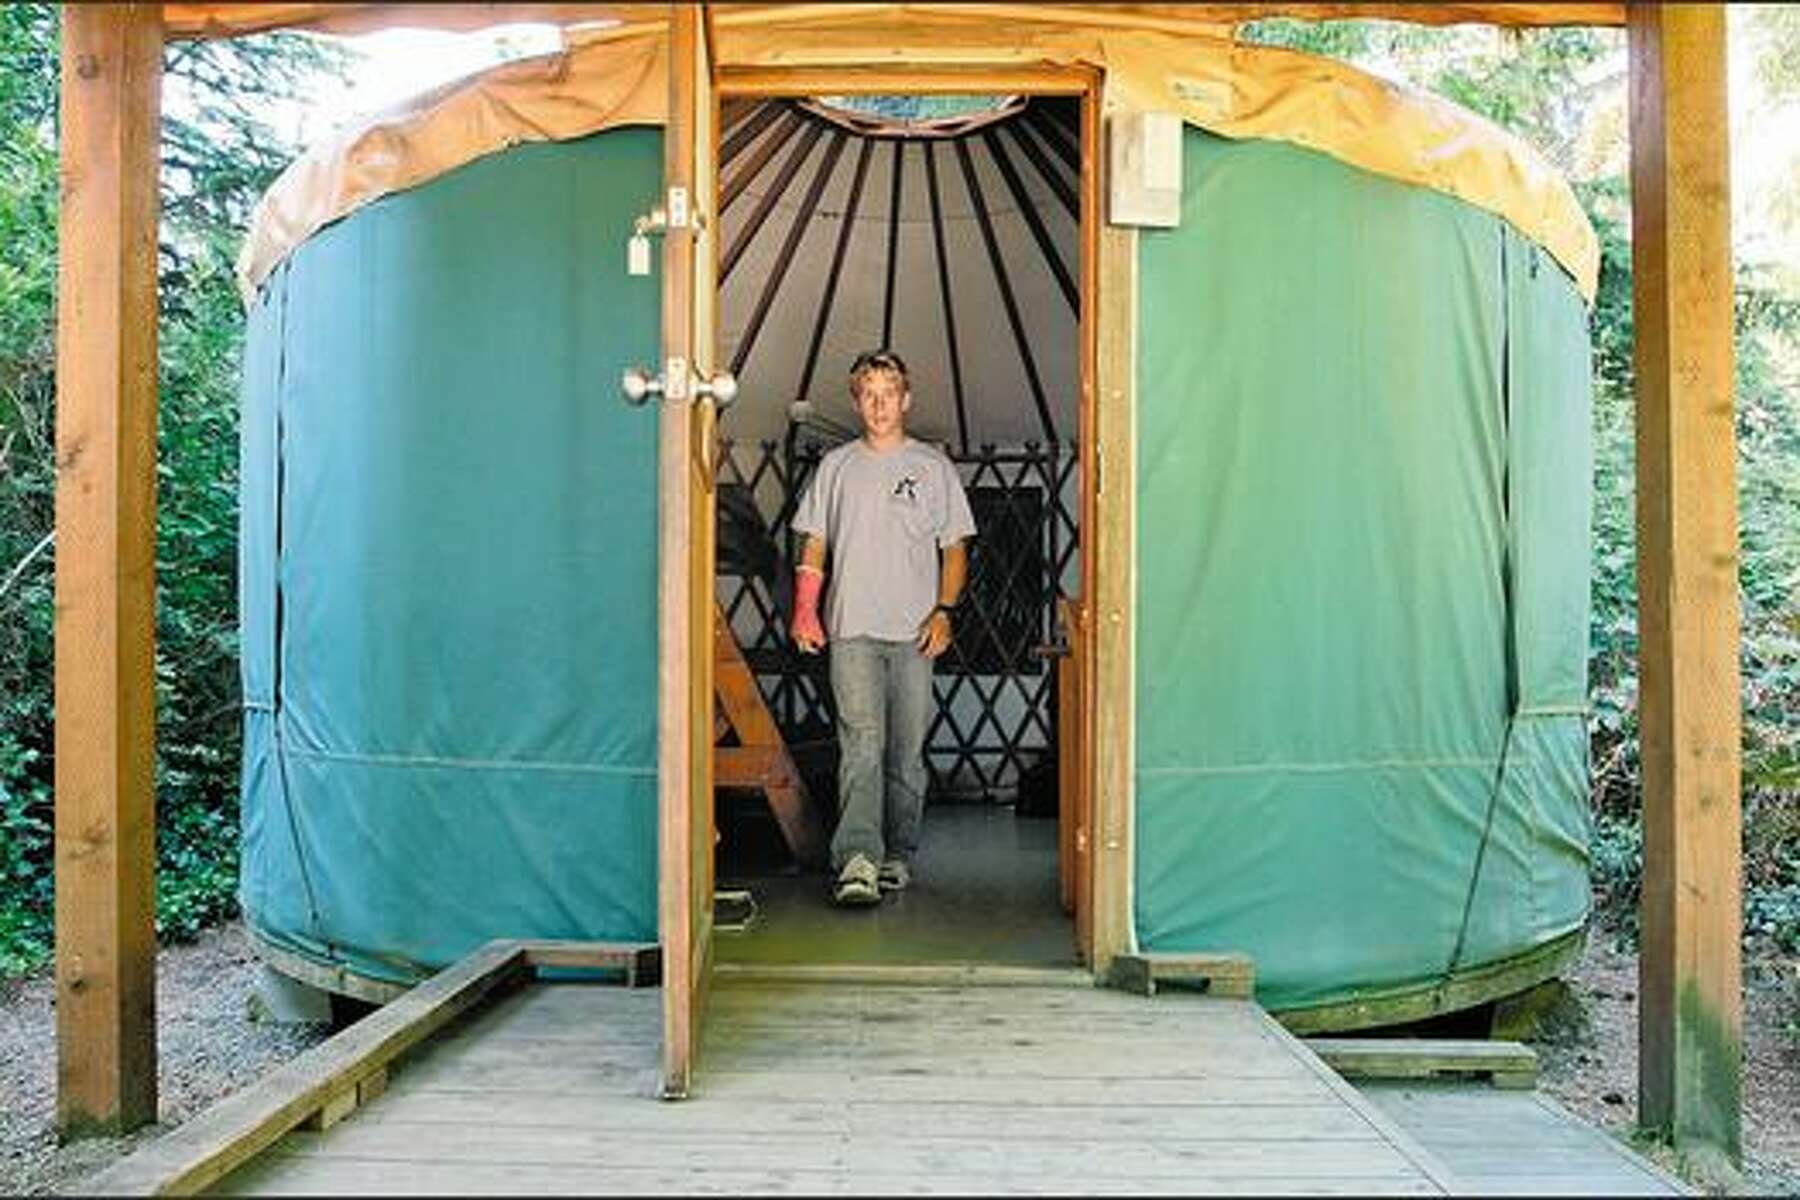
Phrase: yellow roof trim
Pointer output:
(618, 76)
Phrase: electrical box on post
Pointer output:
(1144, 169)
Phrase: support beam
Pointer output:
(1690, 1027)
(1109, 840)
(105, 569)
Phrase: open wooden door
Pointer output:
(686, 537)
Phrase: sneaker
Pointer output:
(895, 874)
(858, 883)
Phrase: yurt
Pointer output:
(1269, 378)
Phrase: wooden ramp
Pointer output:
(967, 1081)
(1502, 1142)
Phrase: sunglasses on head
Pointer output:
(877, 360)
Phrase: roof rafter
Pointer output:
(837, 266)
(734, 252)
(943, 264)
(1007, 299)
(1033, 220)
(785, 259)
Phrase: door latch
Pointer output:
(676, 212)
(675, 383)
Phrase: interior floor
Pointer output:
(984, 889)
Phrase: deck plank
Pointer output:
(807, 1086)
(1503, 1143)
(290, 1175)
(827, 1087)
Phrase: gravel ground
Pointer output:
(208, 1047)
(1588, 1058)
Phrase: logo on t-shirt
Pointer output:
(908, 487)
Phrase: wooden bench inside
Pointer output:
(760, 760)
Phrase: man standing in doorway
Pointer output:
(893, 514)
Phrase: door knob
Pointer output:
(722, 388)
(639, 385)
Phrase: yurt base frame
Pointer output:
(1462, 990)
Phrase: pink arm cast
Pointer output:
(809, 581)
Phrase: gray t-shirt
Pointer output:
(883, 515)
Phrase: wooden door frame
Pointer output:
(1103, 917)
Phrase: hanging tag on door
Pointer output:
(637, 255)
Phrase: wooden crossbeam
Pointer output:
(1508, 1064)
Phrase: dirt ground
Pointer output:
(1588, 1056)
(209, 1047)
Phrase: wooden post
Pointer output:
(105, 569)
(1111, 850)
(1690, 1031)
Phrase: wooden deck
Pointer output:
(1517, 1143)
(830, 1086)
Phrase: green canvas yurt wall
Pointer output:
(1363, 542)
(1361, 605)
(448, 570)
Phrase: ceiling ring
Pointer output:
(869, 125)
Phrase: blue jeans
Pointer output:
(883, 693)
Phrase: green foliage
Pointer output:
(1350, 40)
(28, 205)
(1778, 63)
(218, 155)
(1618, 871)
(1774, 913)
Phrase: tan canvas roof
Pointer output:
(617, 76)
(231, 19)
